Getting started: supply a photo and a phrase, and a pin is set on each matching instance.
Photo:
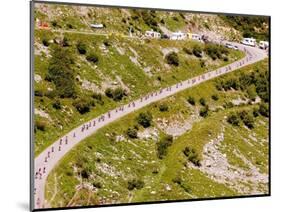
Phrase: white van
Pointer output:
(249, 41)
(263, 44)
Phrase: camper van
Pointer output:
(152, 34)
(263, 44)
(178, 36)
(249, 41)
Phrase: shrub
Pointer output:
(92, 57)
(97, 184)
(264, 109)
(132, 132)
(65, 42)
(40, 125)
(251, 91)
(57, 105)
(54, 23)
(60, 72)
(81, 47)
(45, 42)
(82, 106)
(163, 107)
(247, 118)
(187, 50)
(116, 94)
(215, 97)
(204, 111)
(38, 93)
(202, 101)
(216, 51)
(233, 119)
(135, 184)
(85, 174)
(162, 146)
(197, 51)
(191, 100)
(256, 112)
(172, 59)
(192, 156)
(145, 119)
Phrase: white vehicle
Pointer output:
(249, 41)
(97, 26)
(178, 36)
(263, 44)
(152, 34)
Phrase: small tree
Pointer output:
(172, 59)
(204, 111)
(233, 119)
(163, 107)
(132, 132)
(40, 125)
(57, 105)
(45, 42)
(162, 146)
(215, 97)
(264, 109)
(81, 47)
(191, 100)
(82, 106)
(197, 51)
(92, 57)
(145, 119)
(135, 184)
(192, 155)
(202, 101)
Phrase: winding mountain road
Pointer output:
(49, 158)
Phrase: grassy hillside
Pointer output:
(122, 63)
(219, 147)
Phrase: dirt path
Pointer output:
(49, 158)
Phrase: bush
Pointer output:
(192, 156)
(163, 107)
(39, 93)
(256, 112)
(45, 42)
(187, 50)
(251, 91)
(162, 146)
(216, 51)
(135, 184)
(264, 109)
(233, 119)
(247, 118)
(40, 125)
(191, 100)
(172, 59)
(197, 51)
(215, 97)
(60, 72)
(202, 101)
(65, 42)
(116, 94)
(97, 184)
(145, 119)
(204, 111)
(81, 47)
(57, 105)
(92, 57)
(82, 106)
(132, 132)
